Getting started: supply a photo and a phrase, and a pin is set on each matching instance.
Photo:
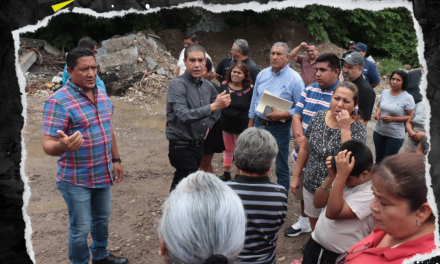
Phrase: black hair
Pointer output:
(193, 48)
(363, 159)
(332, 59)
(404, 76)
(208, 65)
(313, 44)
(87, 42)
(75, 53)
(192, 36)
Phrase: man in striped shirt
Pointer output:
(315, 97)
(265, 203)
(77, 128)
(286, 83)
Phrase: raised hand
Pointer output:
(71, 143)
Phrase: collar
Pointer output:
(281, 71)
(331, 88)
(77, 88)
(246, 60)
(404, 250)
(192, 79)
(251, 179)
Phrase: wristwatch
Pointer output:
(116, 160)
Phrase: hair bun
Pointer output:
(216, 259)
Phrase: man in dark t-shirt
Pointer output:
(240, 52)
(352, 71)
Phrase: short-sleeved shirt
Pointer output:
(70, 110)
(316, 170)
(308, 70)
(181, 63)
(367, 97)
(234, 118)
(265, 204)
(370, 72)
(390, 255)
(227, 62)
(393, 106)
(286, 84)
(418, 121)
(312, 100)
(339, 235)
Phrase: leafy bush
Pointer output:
(387, 66)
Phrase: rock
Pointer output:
(132, 201)
(52, 50)
(161, 71)
(32, 43)
(127, 245)
(140, 35)
(141, 213)
(26, 61)
(147, 238)
(152, 44)
(151, 64)
(56, 79)
(49, 85)
(130, 37)
(283, 258)
(101, 51)
(117, 248)
(125, 58)
(407, 67)
(153, 213)
(115, 44)
(140, 60)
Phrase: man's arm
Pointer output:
(374, 77)
(56, 146)
(215, 115)
(117, 167)
(294, 52)
(218, 71)
(254, 103)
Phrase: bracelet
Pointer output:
(322, 185)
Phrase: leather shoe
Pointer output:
(111, 260)
(225, 177)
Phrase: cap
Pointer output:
(361, 46)
(354, 58)
(352, 42)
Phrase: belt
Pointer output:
(269, 123)
(187, 143)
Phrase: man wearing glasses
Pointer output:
(89, 43)
(239, 52)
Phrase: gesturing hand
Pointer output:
(275, 115)
(223, 100)
(72, 143)
(387, 119)
(344, 120)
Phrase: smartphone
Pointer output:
(268, 110)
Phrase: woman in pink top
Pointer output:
(404, 221)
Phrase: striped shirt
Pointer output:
(313, 99)
(70, 110)
(287, 84)
(265, 204)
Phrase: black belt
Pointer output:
(187, 143)
(269, 123)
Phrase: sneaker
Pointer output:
(226, 176)
(302, 226)
(111, 259)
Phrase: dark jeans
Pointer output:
(313, 250)
(185, 159)
(386, 146)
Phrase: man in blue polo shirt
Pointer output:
(315, 97)
(370, 70)
(286, 83)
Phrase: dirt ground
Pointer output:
(136, 201)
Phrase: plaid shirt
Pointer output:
(70, 110)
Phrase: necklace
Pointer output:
(323, 139)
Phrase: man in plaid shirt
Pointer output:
(77, 128)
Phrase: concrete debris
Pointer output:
(56, 79)
(161, 71)
(26, 61)
(151, 64)
(52, 50)
(124, 58)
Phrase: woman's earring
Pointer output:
(418, 222)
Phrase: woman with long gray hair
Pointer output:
(203, 222)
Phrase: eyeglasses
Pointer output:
(359, 248)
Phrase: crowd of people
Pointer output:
(358, 209)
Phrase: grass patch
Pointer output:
(387, 66)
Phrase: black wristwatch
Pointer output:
(116, 160)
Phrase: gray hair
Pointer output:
(202, 217)
(255, 151)
(243, 46)
(282, 44)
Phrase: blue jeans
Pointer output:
(386, 146)
(281, 133)
(89, 209)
